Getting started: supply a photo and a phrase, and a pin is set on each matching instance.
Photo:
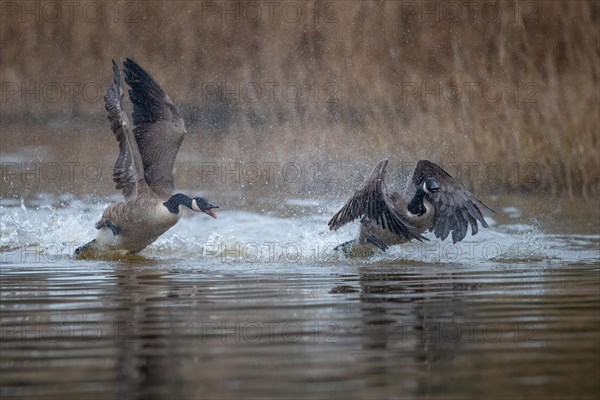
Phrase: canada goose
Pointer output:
(439, 204)
(144, 167)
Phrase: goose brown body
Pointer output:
(144, 167)
(439, 204)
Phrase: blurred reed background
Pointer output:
(511, 84)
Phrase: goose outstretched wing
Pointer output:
(373, 201)
(128, 170)
(158, 128)
(455, 207)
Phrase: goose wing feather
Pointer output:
(128, 169)
(455, 207)
(158, 128)
(372, 201)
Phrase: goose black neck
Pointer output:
(416, 206)
(176, 200)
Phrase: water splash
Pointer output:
(52, 232)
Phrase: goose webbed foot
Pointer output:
(108, 224)
(79, 251)
(346, 247)
(351, 245)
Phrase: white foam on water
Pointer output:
(250, 237)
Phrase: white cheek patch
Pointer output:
(195, 205)
(425, 188)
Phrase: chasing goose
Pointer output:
(439, 204)
(144, 167)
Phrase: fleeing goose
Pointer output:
(144, 167)
(439, 204)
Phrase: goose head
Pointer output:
(416, 207)
(201, 204)
(431, 185)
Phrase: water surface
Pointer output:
(257, 304)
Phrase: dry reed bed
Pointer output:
(377, 79)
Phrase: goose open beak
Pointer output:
(210, 211)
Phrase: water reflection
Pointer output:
(180, 329)
(407, 328)
(141, 332)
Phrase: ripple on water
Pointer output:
(260, 305)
